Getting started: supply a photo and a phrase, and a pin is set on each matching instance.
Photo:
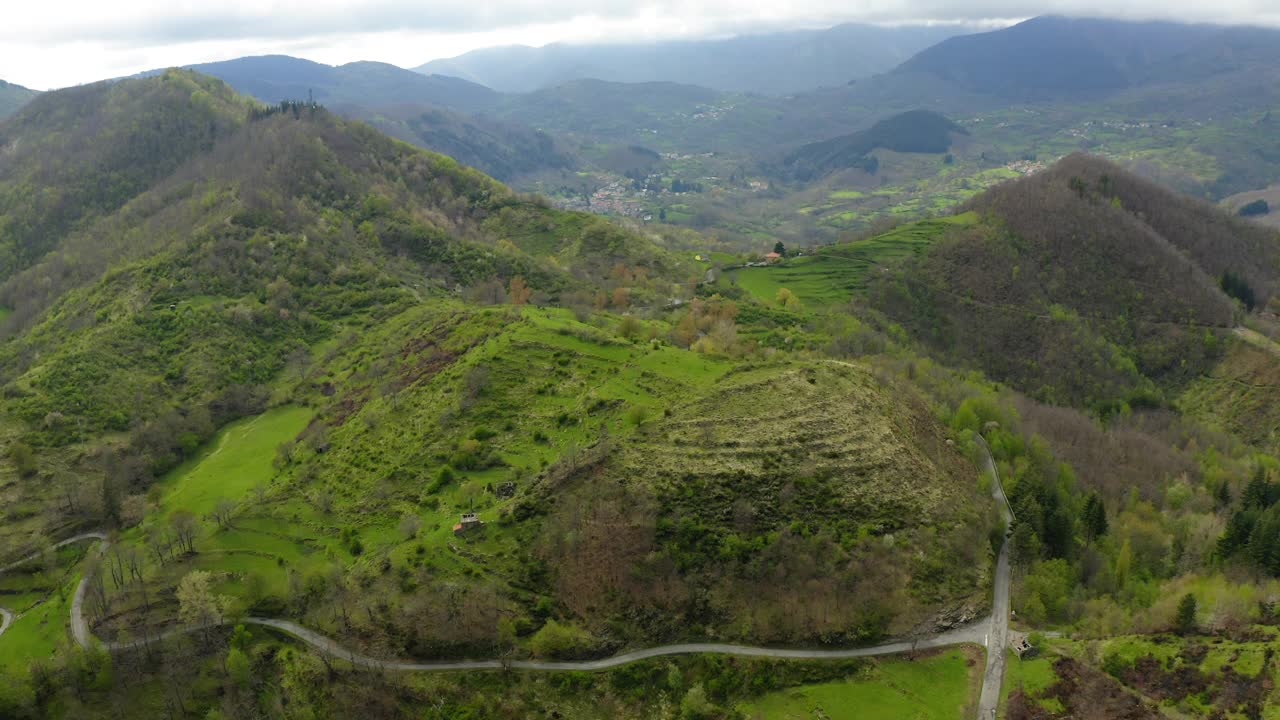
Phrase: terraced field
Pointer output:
(1241, 395)
(826, 452)
(834, 274)
(832, 421)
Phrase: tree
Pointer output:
(1094, 517)
(239, 667)
(222, 512)
(519, 291)
(787, 299)
(197, 603)
(1185, 621)
(1237, 287)
(779, 248)
(696, 706)
(185, 526)
(621, 298)
(662, 215)
(1259, 493)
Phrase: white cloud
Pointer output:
(61, 42)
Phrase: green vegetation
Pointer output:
(916, 131)
(300, 370)
(12, 98)
(940, 686)
(833, 275)
(239, 458)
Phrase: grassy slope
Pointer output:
(238, 458)
(942, 686)
(385, 449)
(42, 601)
(832, 275)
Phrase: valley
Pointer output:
(944, 391)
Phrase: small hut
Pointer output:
(470, 521)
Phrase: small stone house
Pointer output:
(470, 521)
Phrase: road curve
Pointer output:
(7, 617)
(990, 631)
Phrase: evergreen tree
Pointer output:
(1258, 493)
(779, 248)
(1094, 517)
(1185, 621)
(1264, 542)
(1237, 533)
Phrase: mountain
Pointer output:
(13, 97)
(140, 165)
(99, 156)
(915, 131)
(274, 322)
(1048, 57)
(438, 113)
(773, 64)
(1084, 285)
(272, 78)
(504, 149)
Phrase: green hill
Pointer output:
(915, 131)
(304, 332)
(1083, 284)
(85, 152)
(201, 272)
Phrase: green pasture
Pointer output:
(940, 687)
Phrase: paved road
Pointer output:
(990, 632)
(997, 638)
(7, 617)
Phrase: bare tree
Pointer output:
(222, 512)
(185, 526)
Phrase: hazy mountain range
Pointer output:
(773, 64)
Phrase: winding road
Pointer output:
(990, 632)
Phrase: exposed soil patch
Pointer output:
(1085, 694)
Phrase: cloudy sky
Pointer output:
(54, 43)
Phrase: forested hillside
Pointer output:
(306, 399)
(379, 340)
(1084, 285)
(918, 131)
(13, 97)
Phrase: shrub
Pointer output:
(555, 640)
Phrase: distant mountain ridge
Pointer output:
(443, 114)
(772, 64)
(272, 78)
(1050, 56)
(13, 97)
